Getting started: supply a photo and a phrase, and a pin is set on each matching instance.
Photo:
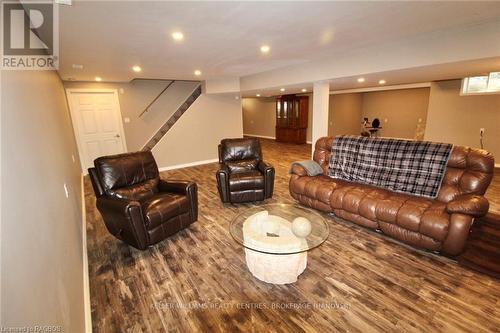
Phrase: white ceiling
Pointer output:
(449, 71)
(222, 39)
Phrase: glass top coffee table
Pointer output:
(276, 239)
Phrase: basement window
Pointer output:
(477, 85)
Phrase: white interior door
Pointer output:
(97, 123)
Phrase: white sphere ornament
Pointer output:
(301, 227)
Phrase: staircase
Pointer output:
(172, 120)
(482, 251)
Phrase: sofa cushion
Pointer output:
(425, 216)
(251, 180)
(162, 207)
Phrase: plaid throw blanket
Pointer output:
(413, 167)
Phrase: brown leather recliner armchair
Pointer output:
(243, 175)
(137, 206)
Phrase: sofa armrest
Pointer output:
(124, 219)
(184, 187)
(298, 170)
(268, 171)
(469, 204)
(222, 176)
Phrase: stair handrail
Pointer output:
(156, 98)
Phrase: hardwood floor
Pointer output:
(357, 281)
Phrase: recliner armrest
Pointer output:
(268, 172)
(124, 216)
(222, 176)
(264, 167)
(184, 187)
(116, 205)
(177, 186)
(469, 204)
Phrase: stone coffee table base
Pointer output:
(276, 268)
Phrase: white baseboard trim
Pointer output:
(187, 165)
(261, 136)
(86, 287)
(309, 142)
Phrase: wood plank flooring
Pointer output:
(357, 281)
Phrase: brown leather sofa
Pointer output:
(440, 225)
(243, 175)
(137, 206)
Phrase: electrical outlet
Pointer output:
(481, 131)
(66, 190)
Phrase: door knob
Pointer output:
(117, 136)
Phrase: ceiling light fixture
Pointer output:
(98, 78)
(197, 72)
(304, 90)
(137, 69)
(282, 89)
(177, 36)
(258, 95)
(361, 80)
(265, 49)
(381, 82)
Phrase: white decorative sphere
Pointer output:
(301, 227)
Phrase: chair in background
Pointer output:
(243, 175)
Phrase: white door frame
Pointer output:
(72, 111)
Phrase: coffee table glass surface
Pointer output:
(279, 229)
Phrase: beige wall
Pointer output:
(135, 96)
(259, 116)
(195, 136)
(404, 109)
(457, 119)
(41, 240)
(345, 114)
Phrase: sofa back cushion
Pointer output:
(125, 170)
(469, 170)
(239, 149)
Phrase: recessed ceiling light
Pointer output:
(265, 49)
(304, 90)
(282, 89)
(258, 95)
(177, 36)
(361, 79)
(98, 78)
(197, 72)
(137, 69)
(381, 82)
